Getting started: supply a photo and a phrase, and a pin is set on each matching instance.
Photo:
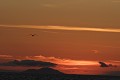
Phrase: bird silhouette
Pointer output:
(33, 35)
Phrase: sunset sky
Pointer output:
(68, 32)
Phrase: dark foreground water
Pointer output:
(27, 76)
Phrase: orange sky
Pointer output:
(78, 32)
(76, 45)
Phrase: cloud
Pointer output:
(65, 28)
(103, 64)
(62, 61)
(6, 56)
(116, 61)
(50, 32)
(28, 63)
(95, 51)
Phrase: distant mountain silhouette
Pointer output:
(45, 70)
(28, 63)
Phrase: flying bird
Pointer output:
(33, 35)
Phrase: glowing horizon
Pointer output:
(64, 61)
(59, 61)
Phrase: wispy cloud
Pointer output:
(65, 28)
(95, 51)
(50, 32)
(61, 61)
(6, 56)
(115, 61)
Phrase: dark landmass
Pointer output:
(28, 63)
(45, 70)
(51, 74)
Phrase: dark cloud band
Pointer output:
(32, 63)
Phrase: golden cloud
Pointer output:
(61, 61)
(65, 28)
(5, 56)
